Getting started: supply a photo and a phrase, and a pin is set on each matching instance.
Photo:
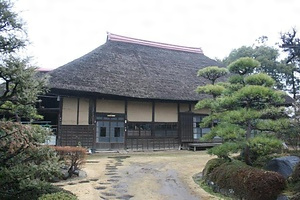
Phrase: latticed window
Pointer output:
(197, 130)
(166, 130)
(139, 129)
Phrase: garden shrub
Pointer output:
(247, 182)
(264, 145)
(58, 196)
(73, 157)
(262, 161)
(211, 165)
(25, 165)
(34, 191)
(296, 173)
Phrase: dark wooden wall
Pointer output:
(163, 143)
(109, 146)
(72, 135)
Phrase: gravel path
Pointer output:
(136, 176)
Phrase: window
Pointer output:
(139, 129)
(165, 130)
(103, 132)
(197, 130)
(145, 129)
(117, 132)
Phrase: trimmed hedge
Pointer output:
(211, 165)
(73, 157)
(248, 182)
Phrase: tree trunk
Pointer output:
(247, 148)
(18, 118)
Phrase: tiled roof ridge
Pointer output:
(119, 38)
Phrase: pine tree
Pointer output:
(247, 106)
(25, 164)
(19, 84)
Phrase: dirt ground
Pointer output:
(148, 175)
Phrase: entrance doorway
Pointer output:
(110, 130)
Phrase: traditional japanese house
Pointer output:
(128, 94)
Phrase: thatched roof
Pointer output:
(135, 68)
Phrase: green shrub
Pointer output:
(296, 173)
(264, 145)
(211, 165)
(224, 150)
(25, 165)
(58, 196)
(247, 182)
(31, 191)
(262, 161)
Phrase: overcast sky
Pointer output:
(63, 30)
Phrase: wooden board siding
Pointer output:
(110, 106)
(139, 111)
(166, 112)
(139, 144)
(71, 135)
(109, 146)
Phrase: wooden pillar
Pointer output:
(152, 124)
(125, 124)
(92, 110)
(58, 139)
(178, 123)
(92, 119)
